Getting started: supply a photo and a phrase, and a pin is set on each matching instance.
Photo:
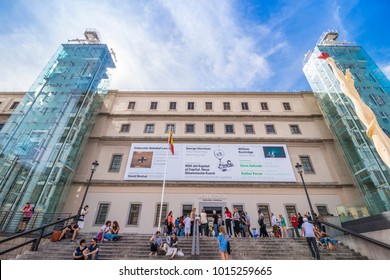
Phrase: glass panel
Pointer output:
(135, 210)
(102, 214)
(163, 216)
(115, 163)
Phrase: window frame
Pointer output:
(304, 165)
(208, 104)
(153, 105)
(187, 125)
(232, 129)
(293, 131)
(206, 125)
(157, 214)
(266, 107)
(101, 221)
(131, 105)
(123, 126)
(148, 126)
(14, 105)
(273, 128)
(168, 128)
(190, 106)
(287, 106)
(225, 105)
(111, 169)
(244, 106)
(129, 216)
(172, 105)
(246, 128)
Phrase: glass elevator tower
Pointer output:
(41, 143)
(371, 174)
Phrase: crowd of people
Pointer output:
(235, 224)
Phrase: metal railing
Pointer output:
(36, 235)
(11, 221)
(353, 233)
(195, 238)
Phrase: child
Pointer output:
(255, 233)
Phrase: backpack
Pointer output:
(32, 210)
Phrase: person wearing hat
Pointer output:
(308, 233)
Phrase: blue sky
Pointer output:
(251, 45)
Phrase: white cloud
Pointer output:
(386, 70)
(160, 45)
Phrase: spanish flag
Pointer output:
(170, 142)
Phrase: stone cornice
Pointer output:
(201, 184)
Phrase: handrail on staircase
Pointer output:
(35, 241)
(351, 232)
(195, 238)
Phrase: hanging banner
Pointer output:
(210, 162)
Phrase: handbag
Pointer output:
(228, 248)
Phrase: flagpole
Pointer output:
(163, 187)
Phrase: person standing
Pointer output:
(27, 211)
(283, 225)
(309, 234)
(236, 223)
(215, 223)
(192, 219)
(204, 225)
(274, 224)
(187, 226)
(170, 222)
(248, 223)
(223, 240)
(81, 219)
(300, 221)
(228, 221)
(294, 223)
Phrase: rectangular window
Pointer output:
(209, 105)
(153, 105)
(172, 105)
(187, 208)
(209, 128)
(115, 163)
(226, 106)
(322, 210)
(14, 105)
(264, 106)
(290, 209)
(270, 129)
(190, 106)
(169, 126)
(229, 128)
(244, 106)
(264, 208)
(190, 128)
(1, 126)
(294, 128)
(131, 105)
(378, 100)
(149, 128)
(249, 129)
(286, 106)
(125, 127)
(163, 216)
(102, 213)
(135, 210)
(306, 163)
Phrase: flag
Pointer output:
(170, 142)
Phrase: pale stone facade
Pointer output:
(295, 121)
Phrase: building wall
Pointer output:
(330, 185)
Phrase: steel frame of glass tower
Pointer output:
(42, 142)
(371, 174)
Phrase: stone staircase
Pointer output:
(136, 247)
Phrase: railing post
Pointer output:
(35, 245)
(195, 238)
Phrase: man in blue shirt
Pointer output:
(308, 233)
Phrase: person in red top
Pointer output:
(294, 223)
(228, 222)
(27, 210)
(170, 222)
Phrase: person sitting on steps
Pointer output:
(71, 229)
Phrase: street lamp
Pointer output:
(94, 166)
(300, 171)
